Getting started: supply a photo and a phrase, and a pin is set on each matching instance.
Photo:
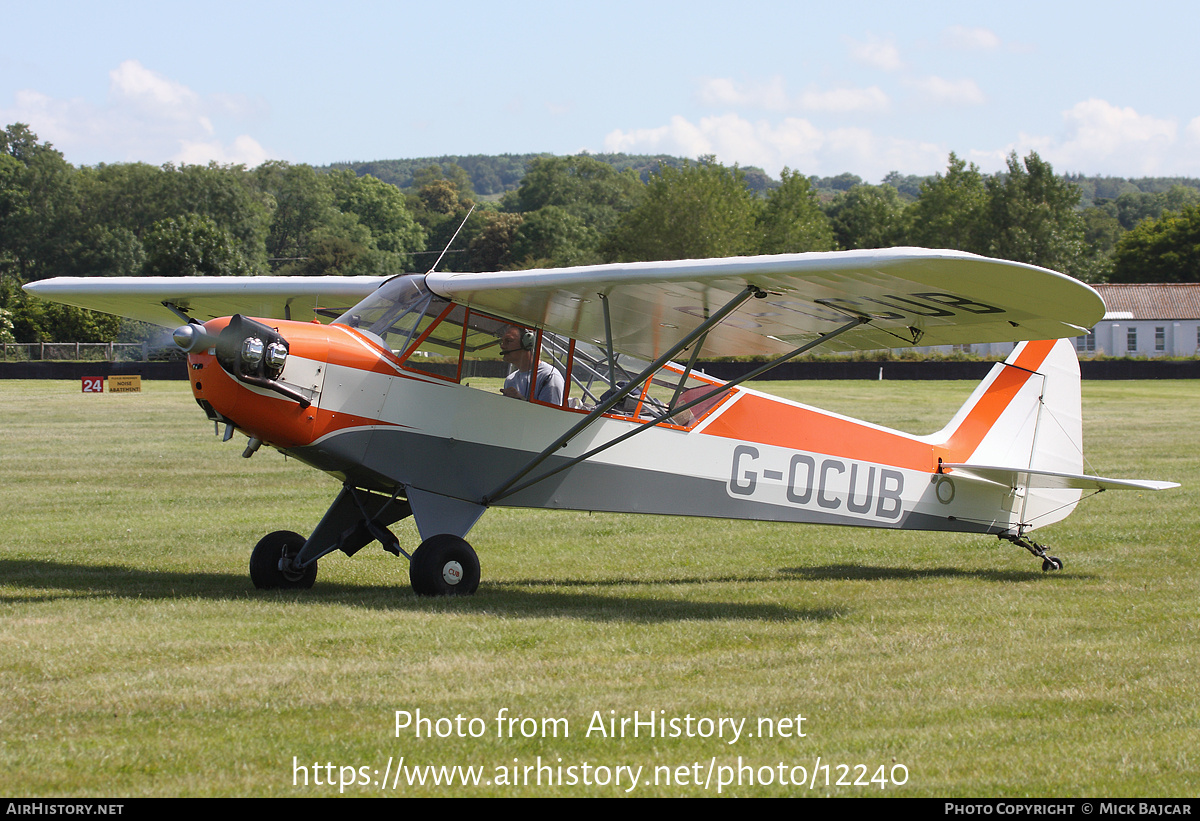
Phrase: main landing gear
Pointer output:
(443, 565)
(1048, 562)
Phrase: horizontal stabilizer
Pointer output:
(1023, 477)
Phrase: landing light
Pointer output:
(276, 356)
(252, 352)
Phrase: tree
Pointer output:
(792, 220)
(950, 210)
(1131, 208)
(491, 248)
(302, 204)
(109, 252)
(1163, 250)
(868, 216)
(39, 207)
(381, 208)
(700, 210)
(192, 245)
(1032, 217)
(552, 236)
(585, 187)
(441, 206)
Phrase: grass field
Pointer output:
(136, 659)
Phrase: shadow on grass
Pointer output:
(56, 581)
(542, 598)
(853, 572)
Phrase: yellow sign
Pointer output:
(125, 384)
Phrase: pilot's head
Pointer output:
(516, 346)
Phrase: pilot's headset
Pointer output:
(526, 339)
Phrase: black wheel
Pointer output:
(444, 565)
(264, 563)
(1051, 563)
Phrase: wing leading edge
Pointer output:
(204, 298)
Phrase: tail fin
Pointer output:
(1025, 418)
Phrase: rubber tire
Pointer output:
(264, 562)
(429, 561)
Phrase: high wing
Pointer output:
(204, 298)
(906, 297)
(912, 296)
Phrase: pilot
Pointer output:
(516, 348)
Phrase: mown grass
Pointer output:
(137, 659)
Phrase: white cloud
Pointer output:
(1193, 130)
(244, 151)
(876, 52)
(1100, 137)
(846, 100)
(792, 142)
(134, 83)
(948, 92)
(146, 117)
(771, 95)
(965, 38)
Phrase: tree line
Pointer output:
(136, 219)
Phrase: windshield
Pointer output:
(393, 314)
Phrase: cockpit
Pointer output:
(430, 335)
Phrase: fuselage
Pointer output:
(378, 424)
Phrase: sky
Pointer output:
(821, 88)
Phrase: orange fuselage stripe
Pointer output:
(770, 422)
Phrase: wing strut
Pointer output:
(612, 358)
(508, 489)
(608, 404)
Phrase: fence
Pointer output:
(81, 352)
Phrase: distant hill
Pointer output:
(492, 175)
(495, 174)
(1110, 188)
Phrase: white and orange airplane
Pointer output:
(400, 396)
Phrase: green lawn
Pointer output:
(137, 659)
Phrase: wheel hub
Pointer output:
(452, 572)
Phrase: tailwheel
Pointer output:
(1048, 562)
(1051, 563)
(444, 565)
(272, 563)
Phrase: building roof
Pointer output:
(1151, 301)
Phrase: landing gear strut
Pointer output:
(444, 565)
(1048, 562)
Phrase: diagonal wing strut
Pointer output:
(510, 486)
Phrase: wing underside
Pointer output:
(912, 296)
(203, 298)
(903, 297)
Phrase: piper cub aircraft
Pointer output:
(401, 398)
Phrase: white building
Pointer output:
(1140, 320)
(1146, 320)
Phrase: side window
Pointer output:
(431, 336)
(595, 377)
